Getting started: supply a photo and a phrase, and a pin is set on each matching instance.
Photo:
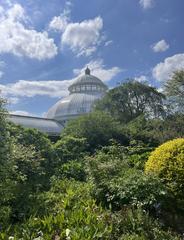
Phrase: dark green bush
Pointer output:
(73, 170)
(98, 128)
(136, 224)
(118, 184)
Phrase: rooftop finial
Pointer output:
(87, 71)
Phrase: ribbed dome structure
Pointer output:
(83, 93)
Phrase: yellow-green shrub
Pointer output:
(167, 161)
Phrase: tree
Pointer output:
(6, 183)
(153, 132)
(70, 152)
(39, 141)
(174, 89)
(132, 99)
(97, 128)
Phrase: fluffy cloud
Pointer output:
(160, 46)
(15, 38)
(162, 71)
(16, 12)
(23, 88)
(60, 23)
(108, 43)
(12, 100)
(141, 79)
(98, 69)
(146, 4)
(83, 37)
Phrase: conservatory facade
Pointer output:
(83, 94)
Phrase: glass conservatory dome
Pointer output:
(83, 93)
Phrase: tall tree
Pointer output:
(132, 99)
(174, 89)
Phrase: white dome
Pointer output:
(83, 93)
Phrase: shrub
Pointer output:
(68, 212)
(97, 128)
(167, 161)
(70, 148)
(73, 170)
(136, 224)
(118, 184)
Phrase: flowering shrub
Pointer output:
(167, 161)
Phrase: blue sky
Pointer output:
(45, 45)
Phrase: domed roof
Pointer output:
(83, 82)
(83, 93)
(72, 106)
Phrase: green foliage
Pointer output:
(118, 184)
(97, 128)
(73, 170)
(26, 181)
(70, 148)
(136, 224)
(154, 132)
(69, 154)
(167, 161)
(135, 188)
(174, 89)
(69, 213)
(42, 145)
(132, 99)
(72, 190)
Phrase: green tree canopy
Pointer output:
(97, 128)
(174, 89)
(132, 99)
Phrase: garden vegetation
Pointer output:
(116, 173)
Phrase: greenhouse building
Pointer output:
(83, 94)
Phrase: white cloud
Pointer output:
(53, 88)
(16, 12)
(98, 69)
(83, 38)
(146, 4)
(22, 113)
(24, 88)
(13, 100)
(58, 23)
(15, 38)
(160, 46)
(164, 70)
(2, 64)
(108, 43)
(141, 78)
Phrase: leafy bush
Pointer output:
(66, 211)
(118, 184)
(167, 161)
(41, 143)
(73, 170)
(97, 128)
(70, 148)
(154, 132)
(136, 224)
